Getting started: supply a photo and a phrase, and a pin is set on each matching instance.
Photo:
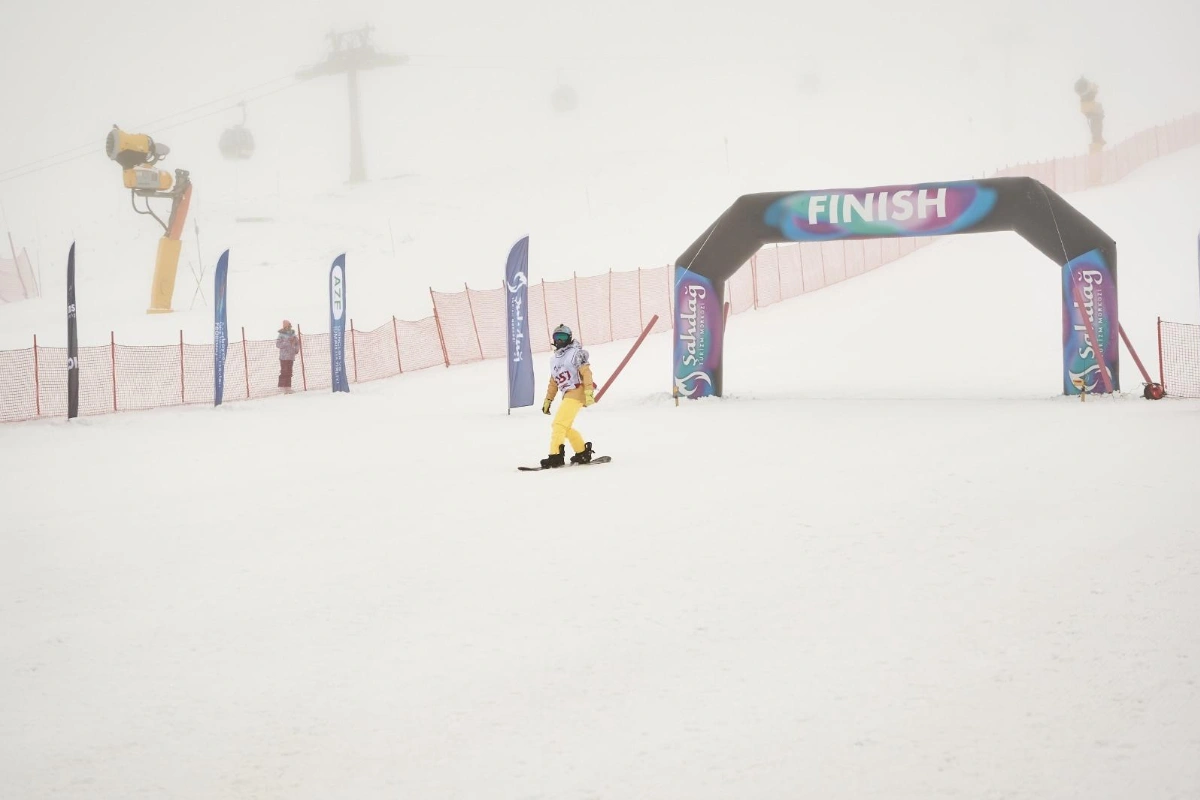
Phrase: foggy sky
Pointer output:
(74, 67)
(836, 91)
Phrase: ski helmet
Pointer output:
(562, 337)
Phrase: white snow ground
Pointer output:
(909, 574)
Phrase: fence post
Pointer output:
(112, 348)
(37, 382)
(670, 289)
(182, 388)
(800, 258)
(474, 324)
(546, 306)
(1162, 378)
(353, 350)
(578, 310)
(611, 336)
(300, 342)
(779, 272)
(438, 321)
(641, 321)
(754, 277)
(245, 362)
(396, 338)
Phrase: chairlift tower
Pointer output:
(349, 53)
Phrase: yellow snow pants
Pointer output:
(561, 427)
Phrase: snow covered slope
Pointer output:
(891, 563)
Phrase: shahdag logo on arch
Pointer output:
(920, 210)
(698, 320)
(1082, 358)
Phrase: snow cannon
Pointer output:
(137, 153)
(133, 149)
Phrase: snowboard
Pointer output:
(596, 460)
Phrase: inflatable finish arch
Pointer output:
(1087, 255)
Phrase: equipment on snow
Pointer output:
(555, 460)
(584, 456)
(596, 460)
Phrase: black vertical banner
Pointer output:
(72, 341)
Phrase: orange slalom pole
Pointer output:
(629, 355)
(1132, 352)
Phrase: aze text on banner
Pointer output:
(337, 324)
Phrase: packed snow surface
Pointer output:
(891, 562)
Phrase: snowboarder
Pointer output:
(571, 374)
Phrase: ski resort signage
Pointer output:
(698, 334)
(220, 327)
(72, 341)
(520, 363)
(337, 325)
(1082, 358)
(1022, 205)
(887, 211)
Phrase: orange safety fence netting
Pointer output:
(1179, 358)
(469, 326)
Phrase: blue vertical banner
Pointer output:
(337, 324)
(699, 314)
(72, 340)
(520, 356)
(220, 328)
(1082, 358)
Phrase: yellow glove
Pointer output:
(589, 396)
(546, 406)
